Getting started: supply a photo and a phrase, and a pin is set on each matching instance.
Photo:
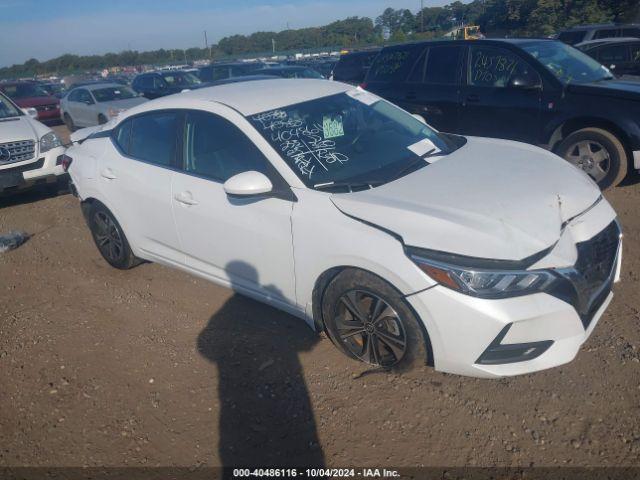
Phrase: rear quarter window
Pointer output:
(393, 65)
(572, 37)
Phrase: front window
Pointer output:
(181, 79)
(348, 139)
(566, 63)
(7, 108)
(110, 94)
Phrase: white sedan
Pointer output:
(407, 246)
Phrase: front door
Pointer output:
(491, 106)
(245, 243)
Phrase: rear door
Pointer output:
(433, 87)
(136, 179)
(84, 112)
(490, 105)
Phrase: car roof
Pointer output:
(253, 97)
(603, 41)
(598, 25)
(96, 86)
(485, 41)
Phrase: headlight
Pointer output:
(49, 141)
(484, 283)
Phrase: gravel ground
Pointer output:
(100, 367)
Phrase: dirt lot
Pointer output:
(100, 367)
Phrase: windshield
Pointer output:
(352, 137)
(181, 79)
(110, 94)
(7, 109)
(568, 64)
(24, 90)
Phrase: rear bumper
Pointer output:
(48, 115)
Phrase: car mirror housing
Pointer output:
(32, 112)
(248, 184)
(524, 83)
(419, 117)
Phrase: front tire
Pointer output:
(599, 153)
(110, 239)
(369, 320)
(102, 119)
(68, 121)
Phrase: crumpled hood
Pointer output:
(490, 199)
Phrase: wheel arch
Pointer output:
(572, 125)
(323, 281)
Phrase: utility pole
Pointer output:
(422, 16)
(273, 45)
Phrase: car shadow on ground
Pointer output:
(266, 417)
(32, 195)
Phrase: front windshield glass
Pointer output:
(568, 64)
(111, 94)
(349, 138)
(24, 90)
(7, 109)
(181, 79)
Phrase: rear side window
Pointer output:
(614, 53)
(215, 148)
(219, 73)
(631, 32)
(393, 65)
(153, 138)
(572, 37)
(607, 33)
(122, 135)
(494, 67)
(442, 64)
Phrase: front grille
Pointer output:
(24, 168)
(46, 108)
(588, 283)
(12, 152)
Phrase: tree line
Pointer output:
(495, 18)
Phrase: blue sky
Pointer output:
(44, 29)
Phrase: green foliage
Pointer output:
(495, 17)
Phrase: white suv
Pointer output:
(481, 256)
(30, 152)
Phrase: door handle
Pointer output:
(473, 98)
(185, 198)
(108, 174)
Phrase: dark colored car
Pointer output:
(32, 95)
(54, 89)
(289, 71)
(352, 67)
(221, 71)
(584, 33)
(158, 84)
(542, 92)
(620, 55)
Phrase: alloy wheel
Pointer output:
(108, 237)
(370, 329)
(591, 157)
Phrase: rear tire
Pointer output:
(102, 119)
(68, 121)
(369, 320)
(599, 153)
(110, 238)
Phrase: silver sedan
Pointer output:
(89, 105)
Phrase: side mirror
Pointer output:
(523, 82)
(248, 184)
(419, 117)
(32, 112)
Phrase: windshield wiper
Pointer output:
(417, 161)
(349, 185)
